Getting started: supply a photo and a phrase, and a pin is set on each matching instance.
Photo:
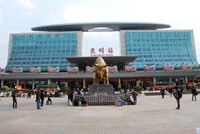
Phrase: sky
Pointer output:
(19, 16)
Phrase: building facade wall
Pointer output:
(43, 50)
(164, 47)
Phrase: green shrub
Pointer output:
(5, 88)
(198, 84)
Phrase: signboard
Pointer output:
(72, 69)
(150, 68)
(34, 70)
(101, 52)
(2, 70)
(89, 69)
(112, 69)
(130, 69)
(186, 67)
(53, 69)
(17, 70)
(168, 68)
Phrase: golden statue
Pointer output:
(100, 72)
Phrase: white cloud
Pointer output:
(27, 3)
(1, 12)
(78, 13)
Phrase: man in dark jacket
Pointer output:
(194, 93)
(178, 95)
(42, 97)
(38, 98)
(14, 99)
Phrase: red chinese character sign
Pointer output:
(101, 52)
(110, 50)
(92, 52)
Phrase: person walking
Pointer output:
(170, 91)
(49, 101)
(42, 98)
(135, 94)
(14, 99)
(177, 95)
(162, 91)
(38, 99)
(194, 94)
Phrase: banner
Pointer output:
(17, 70)
(130, 69)
(53, 69)
(72, 69)
(186, 67)
(34, 70)
(112, 69)
(168, 68)
(150, 68)
(89, 69)
(2, 70)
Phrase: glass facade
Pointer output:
(160, 48)
(41, 50)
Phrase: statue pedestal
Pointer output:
(101, 95)
(101, 89)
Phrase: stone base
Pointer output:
(101, 95)
(101, 89)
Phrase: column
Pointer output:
(138, 83)
(170, 79)
(17, 82)
(2, 83)
(84, 86)
(186, 79)
(154, 80)
(66, 84)
(49, 81)
(119, 84)
(33, 84)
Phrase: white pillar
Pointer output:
(154, 80)
(138, 83)
(84, 86)
(17, 82)
(119, 84)
(170, 79)
(49, 81)
(2, 83)
(186, 79)
(66, 84)
(33, 84)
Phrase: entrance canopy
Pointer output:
(119, 61)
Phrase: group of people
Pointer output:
(131, 97)
(40, 99)
(177, 93)
(76, 97)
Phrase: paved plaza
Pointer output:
(152, 115)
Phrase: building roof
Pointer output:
(110, 60)
(103, 26)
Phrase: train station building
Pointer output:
(53, 55)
